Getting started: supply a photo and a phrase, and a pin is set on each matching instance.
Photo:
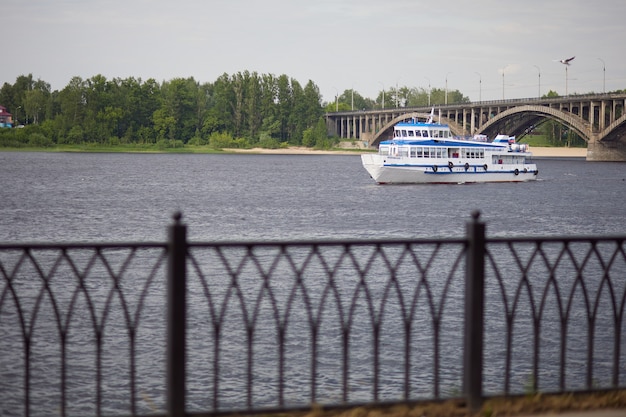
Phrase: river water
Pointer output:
(64, 197)
(131, 197)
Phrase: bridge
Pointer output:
(599, 119)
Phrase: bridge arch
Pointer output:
(615, 130)
(582, 127)
(382, 134)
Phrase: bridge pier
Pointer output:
(603, 151)
(367, 139)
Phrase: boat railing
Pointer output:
(190, 328)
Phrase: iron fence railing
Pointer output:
(185, 328)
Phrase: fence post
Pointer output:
(176, 317)
(474, 313)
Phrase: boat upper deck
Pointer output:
(421, 130)
(439, 135)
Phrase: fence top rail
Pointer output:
(568, 239)
(327, 242)
(80, 245)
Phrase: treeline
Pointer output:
(240, 110)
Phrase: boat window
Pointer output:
(383, 150)
(404, 133)
(411, 133)
(403, 151)
(424, 133)
(418, 133)
(426, 153)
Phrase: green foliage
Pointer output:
(12, 138)
(336, 106)
(268, 142)
(163, 144)
(219, 140)
(308, 138)
(327, 143)
(557, 134)
(316, 137)
(197, 141)
(38, 140)
(74, 136)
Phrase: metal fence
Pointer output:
(185, 328)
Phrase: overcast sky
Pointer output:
(365, 45)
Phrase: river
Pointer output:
(131, 197)
(66, 197)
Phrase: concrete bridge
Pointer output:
(600, 119)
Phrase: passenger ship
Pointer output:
(426, 152)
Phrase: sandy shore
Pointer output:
(559, 152)
(536, 151)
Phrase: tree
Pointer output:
(72, 100)
(285, 106)
(418, 97)
(253, 102)
(179, 104)
(221, 114)
(34, 104)
(312, 103)
(354, 100)
(164, 124)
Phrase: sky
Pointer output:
(486, 49)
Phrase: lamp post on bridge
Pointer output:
(397, 93)
(480, 86)
(428, 90)
(603, 75)
(566, 62)
(446, 100)
(505, 67)
(383, 94)
(352, 98)
(538, 81)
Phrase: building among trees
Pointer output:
(6, 118)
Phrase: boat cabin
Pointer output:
(421, 130)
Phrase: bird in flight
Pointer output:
(566, 61)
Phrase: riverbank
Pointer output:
(540, 152)
(558, 152)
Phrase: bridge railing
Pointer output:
(504, 102)
(185, 328)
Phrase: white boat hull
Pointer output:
(397, 170)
